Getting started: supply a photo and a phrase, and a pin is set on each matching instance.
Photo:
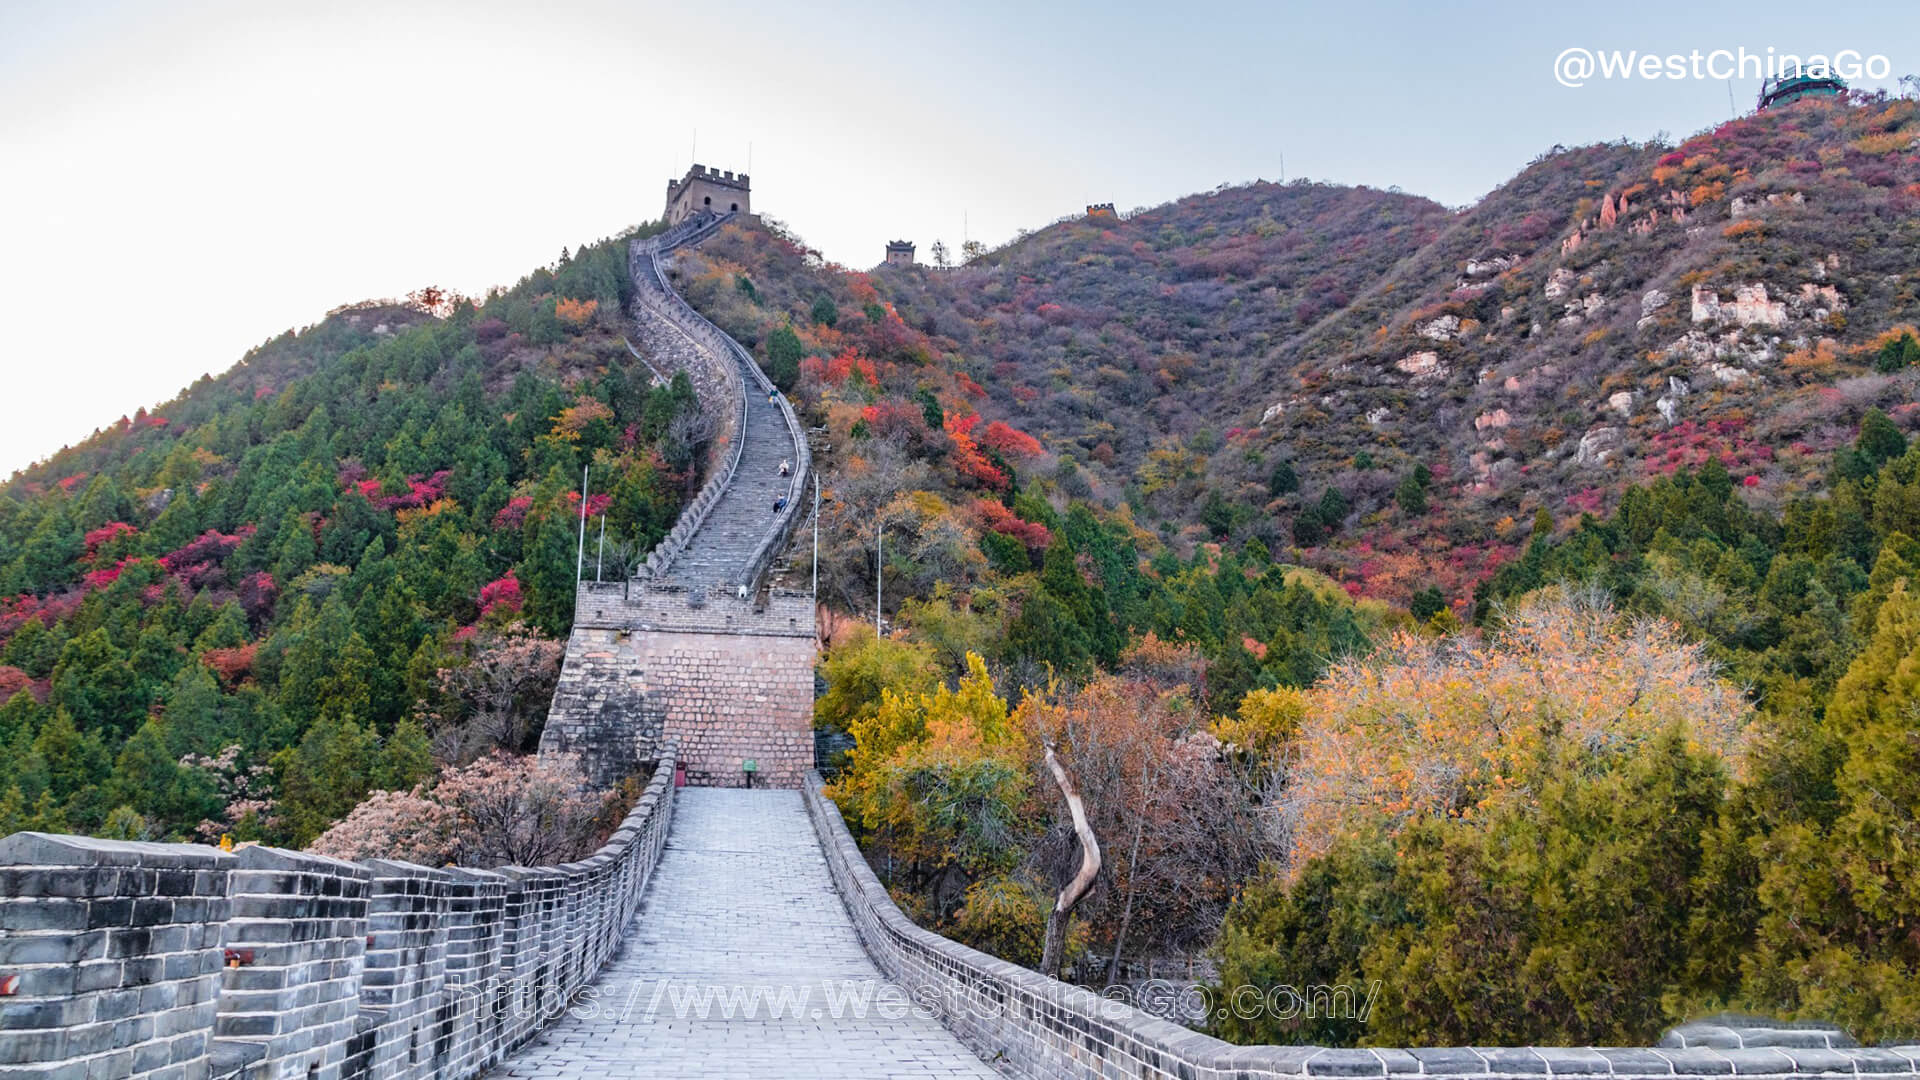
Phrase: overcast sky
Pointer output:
(179, 183)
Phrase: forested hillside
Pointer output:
(1202, 498)
(327, 569)
(1610, 314)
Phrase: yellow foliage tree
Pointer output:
(1268, 721)
(937, 778)
(1430, 728)
(576, 418)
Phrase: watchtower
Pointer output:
(705, 190)
(1797, 81)
(1101, 210)
(899, 253)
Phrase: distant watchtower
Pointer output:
(899, 253)
(705, 190)
(1797, 81)
(1101, 210)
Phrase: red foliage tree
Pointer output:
(513, 515)
(230, 666)
(257, 594)
(1011, 441)
(106, 534)
(968, 461)
(502, 595)
(992, 515)
(12, 681)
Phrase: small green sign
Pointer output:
(750, 765)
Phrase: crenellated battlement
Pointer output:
(709, 191)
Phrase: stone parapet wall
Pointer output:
(649, 606)
(163, 961)
(729, 699)
(1036, 1026)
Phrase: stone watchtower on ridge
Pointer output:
(706, 190)
(899, 253)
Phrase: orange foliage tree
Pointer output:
(575, 313)
(1174, 827)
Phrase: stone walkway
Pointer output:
(743, 963)
(725, 542)
(721, 549)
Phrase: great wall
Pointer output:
(699, 651)
(710, 934)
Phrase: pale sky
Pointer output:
(181, 182)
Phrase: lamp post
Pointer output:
(580, 553)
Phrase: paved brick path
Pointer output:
(741, 913)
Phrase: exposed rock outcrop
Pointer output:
(1750, 306)
(1597, 445)
(1422, 365)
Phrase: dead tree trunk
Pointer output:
(1052, 953)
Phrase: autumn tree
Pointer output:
(936, 780)
(1438, 728)
(500, 810)
(492, 695)
(861, 670)
(1174, 828)
(1564, 920)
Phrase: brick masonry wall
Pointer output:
(727, 680)
(730, 699)
(1041, 1027)
(182, 962)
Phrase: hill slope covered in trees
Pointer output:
(245, 608)
(1202, 497)
(1609, 315)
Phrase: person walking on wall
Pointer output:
(786, 468)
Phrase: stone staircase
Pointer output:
(723, 548)
(747, 510)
